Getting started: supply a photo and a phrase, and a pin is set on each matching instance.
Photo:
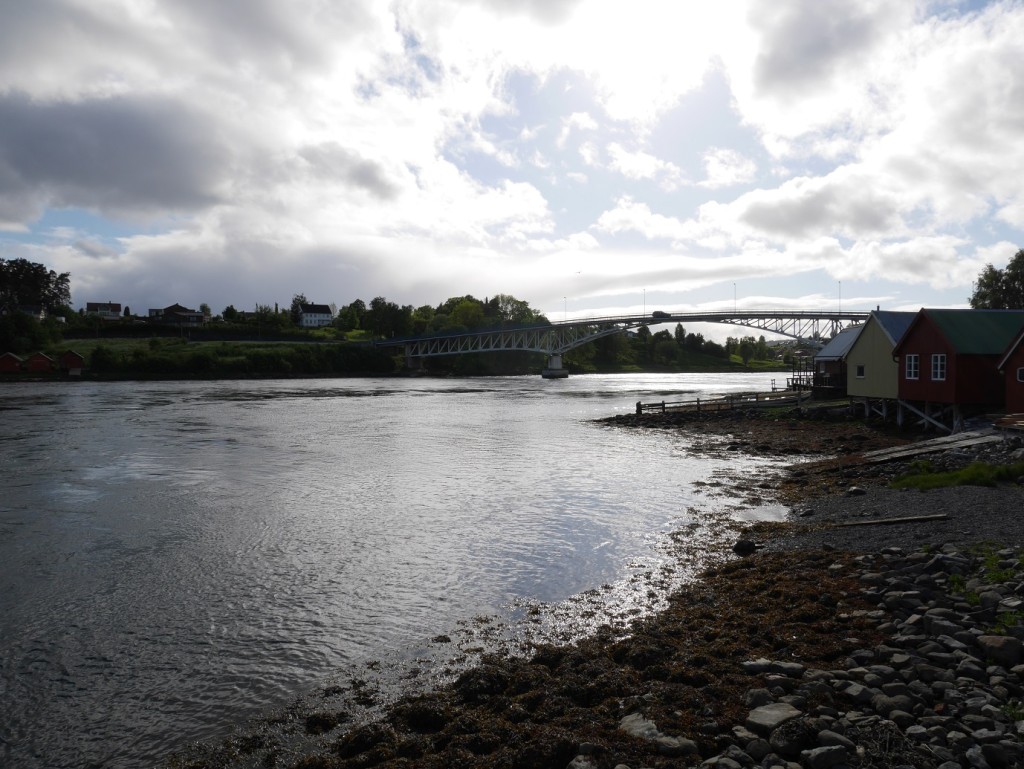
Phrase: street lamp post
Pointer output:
(840, 296)
(645, 301)
(734, 298)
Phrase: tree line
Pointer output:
(1000, 289)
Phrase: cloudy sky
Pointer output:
(588, 156)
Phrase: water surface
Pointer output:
(177, 557)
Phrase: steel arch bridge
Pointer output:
(555, 339)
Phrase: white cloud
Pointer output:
(726, 167)
(576, 122)
(381, 146)
(643, 165)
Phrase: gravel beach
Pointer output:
(883, 644)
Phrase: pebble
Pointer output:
(943, 691)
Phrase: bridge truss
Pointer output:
(554, 339)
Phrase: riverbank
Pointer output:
(875, 646)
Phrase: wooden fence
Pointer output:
(740, 400)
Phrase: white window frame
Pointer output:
(912, 366)
(860, 371)
(939, 367)
(1020, 374)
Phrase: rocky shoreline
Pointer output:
(829, 646)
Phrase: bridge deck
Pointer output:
(558, 338)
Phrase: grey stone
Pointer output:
(829, 738)
(763, 720)
(824, 757)
(676, 746)
(758, 749)
(1003, 650)
(758, 697)
(790, 669)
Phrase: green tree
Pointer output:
(997, 289)
(127, 311)
(386, 319)
(468, 313)
(230, 314)
(680, 335)
(351, 316)
(421, 318)
(665, 350)
(296, 309)
(747, 348)
(27, 283)
(512, 310)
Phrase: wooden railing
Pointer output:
(740, 400)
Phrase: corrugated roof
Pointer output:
(840, 344)
(978, 332)
(894, 324)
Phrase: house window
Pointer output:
(939, 367)
(860, 371)
(1020, 374)
(913, 366)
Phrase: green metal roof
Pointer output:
(978, 332)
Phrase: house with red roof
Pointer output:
(39, 362)
(10, 363)
(71, 363)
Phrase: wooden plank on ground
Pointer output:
(961, 440)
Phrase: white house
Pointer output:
(316, 315)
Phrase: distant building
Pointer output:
(71, 362)
(104, 310)
(32, 310)
(40, 362)
(830, 361)
(178, 315)
(10, 363)
(316, 315)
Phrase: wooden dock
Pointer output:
(725, 403)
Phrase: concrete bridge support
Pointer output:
(554, 368)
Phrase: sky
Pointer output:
(590, 157)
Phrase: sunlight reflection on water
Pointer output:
(177, 557)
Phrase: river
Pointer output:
(176, 557)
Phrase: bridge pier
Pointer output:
(554, 368)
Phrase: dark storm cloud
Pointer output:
(116, 155)
(333, 162)
(806, 43)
